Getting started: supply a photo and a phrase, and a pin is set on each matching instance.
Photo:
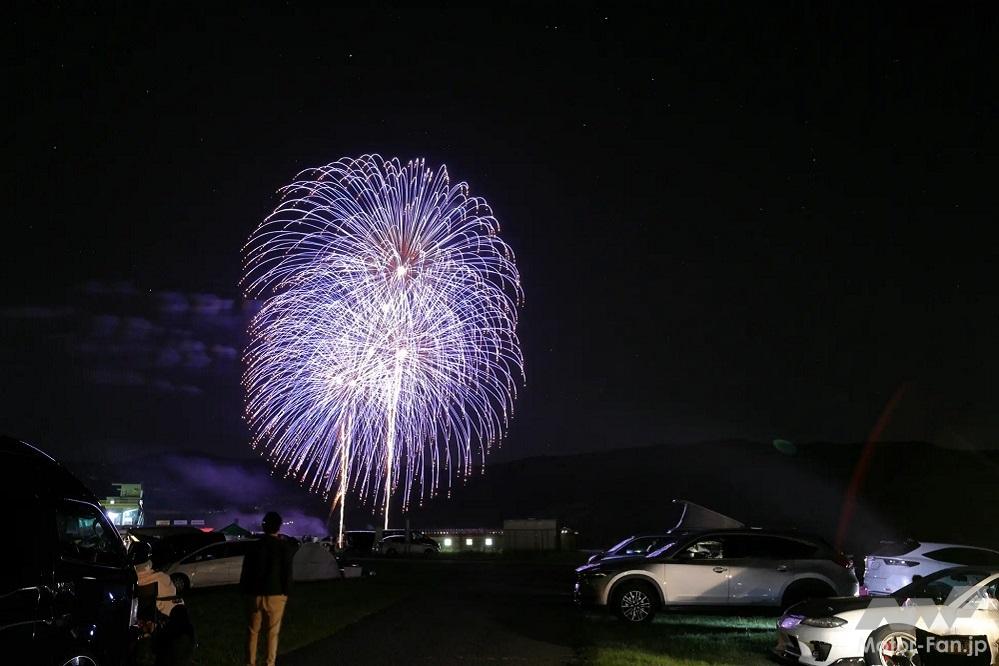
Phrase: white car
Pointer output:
(895, 565)
(735, 567)
(217, 564)
(952, 612)
(222, 564)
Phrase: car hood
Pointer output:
(613, 563)
(827, 607)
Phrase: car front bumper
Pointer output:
(584, 594)
(817, 647)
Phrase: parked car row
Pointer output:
(924, 603)
(221, 564)
(392, 543)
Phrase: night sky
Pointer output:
(732, 221)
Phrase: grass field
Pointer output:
(314, 611)
(677, 640)
(319, 610)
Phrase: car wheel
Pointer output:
(79, 660)
(181, 582)
(805, 589)
(891, 645)
(634, 603)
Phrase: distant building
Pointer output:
(125, 509)
(537, 534)
(467, 540)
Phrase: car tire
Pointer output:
(181, 582)
(801, 590)
(85, 659)
(886, 641)
(635, 603)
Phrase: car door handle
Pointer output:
(720, 569)
(782, 567)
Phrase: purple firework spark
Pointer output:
(386, 351)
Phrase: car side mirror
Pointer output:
(139, 553)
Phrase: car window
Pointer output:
(85, 535)
(767, 547)
(641, 546)
(206, 554)
(942, 587)
(964, 556)
(618, 546)
(703, 549)
(986, 599)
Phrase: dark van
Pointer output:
(67, 587)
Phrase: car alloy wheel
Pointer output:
(897, 649)
(635, 606)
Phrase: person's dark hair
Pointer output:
(272, 522)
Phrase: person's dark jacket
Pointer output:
(267, 566)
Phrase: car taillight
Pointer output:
(892, 562)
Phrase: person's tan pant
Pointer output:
(267, 611)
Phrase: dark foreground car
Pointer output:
(67, 585)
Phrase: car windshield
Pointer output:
(618, 546)
(942, 587)
(662, 550)
(641, 545)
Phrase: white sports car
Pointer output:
(895, 565)
(952, 612)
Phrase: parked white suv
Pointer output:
(895, 565)
(744, 567)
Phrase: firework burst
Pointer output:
(385, 356)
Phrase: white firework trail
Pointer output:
(385, 353)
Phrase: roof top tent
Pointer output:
(696, 517)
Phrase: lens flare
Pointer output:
(384, 357)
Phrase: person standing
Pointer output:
(265, 581)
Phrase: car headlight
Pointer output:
(824, 622)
